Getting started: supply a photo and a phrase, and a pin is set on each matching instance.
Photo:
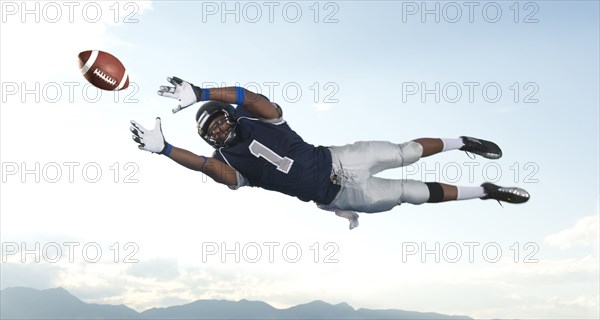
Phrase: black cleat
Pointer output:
(484, 148)
(510, 195)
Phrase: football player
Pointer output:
(254, 146)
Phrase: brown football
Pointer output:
(103, 70)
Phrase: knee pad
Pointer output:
(414, 192)
(436, 193)
(411, 152)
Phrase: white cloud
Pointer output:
(585, 232)
(543, 273)
(159, 268)
(549, 289)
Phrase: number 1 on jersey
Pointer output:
(260, 150)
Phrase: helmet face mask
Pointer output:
(220, 133)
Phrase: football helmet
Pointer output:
(204, 118)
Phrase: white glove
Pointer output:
(150, 140)
(185, 92)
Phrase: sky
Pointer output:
(81, 207)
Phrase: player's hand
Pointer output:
(185, 92)
(149, 140)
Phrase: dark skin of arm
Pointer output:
(256, 104)
(217, 170)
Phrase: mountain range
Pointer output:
(58, 303)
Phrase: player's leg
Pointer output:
(418, 192)
(432, 145)
(484, 148)
(366, 158)
(440, 192)
(379, 194)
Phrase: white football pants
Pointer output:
(354, 166)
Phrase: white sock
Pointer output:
(465, 193)
(452, 143)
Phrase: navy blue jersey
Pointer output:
(274, 157)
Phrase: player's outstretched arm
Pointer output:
(188, 94)
(220, 172)
(154, 141)
(257, 104)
